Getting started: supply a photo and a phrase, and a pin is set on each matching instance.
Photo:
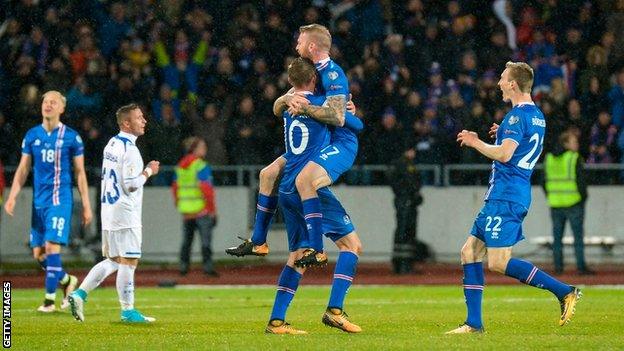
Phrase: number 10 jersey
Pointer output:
(122, 163)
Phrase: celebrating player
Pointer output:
(123, 177)
(50, 149)
(498, 226)
(305, 137)
(313, 43)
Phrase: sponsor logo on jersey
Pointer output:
(513, 120)
(509, 131)
(37, 142)
(110, 157)
(78, 139)
(332, 75)
(335, 87)
(346, 219)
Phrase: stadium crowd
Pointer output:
(420, 71)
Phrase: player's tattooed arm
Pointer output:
(281, 104)
(333, 113)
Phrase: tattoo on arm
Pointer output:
(333, 113)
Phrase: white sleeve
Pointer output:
(132, 173)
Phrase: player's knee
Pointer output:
(467, 254)
(302, 182)
(496, 265)
(269, 174)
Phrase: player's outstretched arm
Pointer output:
(21, 174)
(501, 153)
(333, 113)
(83, 189)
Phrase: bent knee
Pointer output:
(269, 173)
(497, 266)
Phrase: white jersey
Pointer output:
(122, 183)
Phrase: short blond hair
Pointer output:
(319, 34)
(61, 96)
(123, 112)
(522, 73)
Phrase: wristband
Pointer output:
(148, 172)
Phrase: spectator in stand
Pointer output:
(593, 100)
(166, 98)
(596, 67)
(602, 145)
(210, 126)
(36, 47)
(389, 140)
(245, 135)
(616, 98)
(9, 143)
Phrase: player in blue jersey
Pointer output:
(313, 43)
(305, 138)
(51, 149)
(498, 226)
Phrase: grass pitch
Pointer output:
(233, 318)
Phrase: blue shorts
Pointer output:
(499, 223)
(50, 224)
(337, 158)
(336, 221)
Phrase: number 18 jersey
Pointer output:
(122, 162)
(511, 181)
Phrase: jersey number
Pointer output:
(58, 223)
(304, 137)
(325, 154)
(109, 185)
(529, 160)
(47, 155)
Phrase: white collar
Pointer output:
(525, 103)
(305, 92)
(128, 136)
(323, 61)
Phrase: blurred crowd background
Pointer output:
(419, 70)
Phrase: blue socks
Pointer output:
(527, 273)
(473, 292)
(54, 273)
(264, 214)
(343, 277)
(286, 287)
(314, 221)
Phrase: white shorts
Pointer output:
(122, 243)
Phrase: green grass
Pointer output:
(415, 318)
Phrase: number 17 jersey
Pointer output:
(511, 181)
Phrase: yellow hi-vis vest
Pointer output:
(560, 172)
(190, 197)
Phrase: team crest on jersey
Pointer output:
(346, 219)
(79, 139)
(59, 143)
(332, 75)
(513, 120)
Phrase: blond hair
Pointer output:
(318, 34)
(61, 96)
(522, 73)
(124, 111)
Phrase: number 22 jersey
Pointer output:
(511, 181)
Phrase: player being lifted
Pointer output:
(313, 43)
(498, 226)
(123, 177)
(304, 138)
(50, 149)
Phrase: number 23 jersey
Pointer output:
(511, 181)
(122, 162)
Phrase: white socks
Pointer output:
(125, 286)
(98, 273)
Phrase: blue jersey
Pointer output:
(511, 181)
(334, 82)
(304, 137)
(52, 155)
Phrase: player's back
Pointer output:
(511, 181)
(304, 137)
(334, 82)
(121, 209)
(52, 155)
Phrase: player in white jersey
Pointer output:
(123, 177)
